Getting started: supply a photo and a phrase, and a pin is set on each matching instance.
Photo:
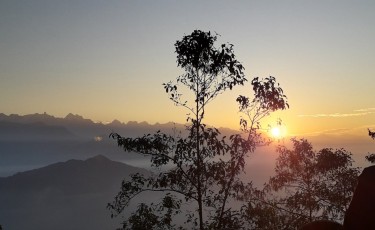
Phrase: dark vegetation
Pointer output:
(371, 134)
(201, 182)
(307, 186)
(371, 156)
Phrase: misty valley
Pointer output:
(60, 173)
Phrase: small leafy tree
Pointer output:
(371, 156)
(371, 134)
(206, 165)
(312, 185)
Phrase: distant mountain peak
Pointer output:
(71, 116)
(135, 123)
(116, 122)
(98, 158)
(3, 116)
(132, 123)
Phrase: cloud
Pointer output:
(339, 131)
(365, 110)
(359, 131)
(356, 113)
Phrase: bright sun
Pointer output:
(276, 132)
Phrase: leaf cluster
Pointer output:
(154, 216)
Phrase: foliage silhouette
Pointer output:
(205, 165)
(145, 217)
(311, 185)
(371, 134)
(371, 156)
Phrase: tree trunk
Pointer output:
(199, 160)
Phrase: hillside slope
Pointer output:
(68, 195)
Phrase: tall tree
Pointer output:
(209, 71)
(205, 164)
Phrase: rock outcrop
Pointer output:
(361, 211)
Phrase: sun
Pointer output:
(277, 132)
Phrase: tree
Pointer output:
(206, 165)
(312, 185)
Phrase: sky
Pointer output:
(107, 60)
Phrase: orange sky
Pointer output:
(108, 61)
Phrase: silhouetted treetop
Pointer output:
(371, 134)
(208, 70)
(197, 51)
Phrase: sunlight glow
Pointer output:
(278, 132)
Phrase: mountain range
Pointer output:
(73, 126)
(36, 140)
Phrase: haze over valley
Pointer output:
(36, 140)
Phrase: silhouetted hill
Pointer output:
(73, 175)
(67, 195)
